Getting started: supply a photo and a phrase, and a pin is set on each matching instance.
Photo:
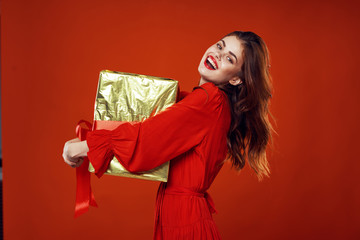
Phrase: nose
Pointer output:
(217, 56)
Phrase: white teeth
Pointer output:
(211, 62)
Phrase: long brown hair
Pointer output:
(250, 129)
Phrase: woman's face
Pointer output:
(222, 62)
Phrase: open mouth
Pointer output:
(210, 63)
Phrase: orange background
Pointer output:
(51, 55)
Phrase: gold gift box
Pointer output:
(132, 97)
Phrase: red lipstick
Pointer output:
(214, 60)
(209, 64)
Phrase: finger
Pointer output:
(71, 164)
(78, 164)
(69, 159)
(73, 160)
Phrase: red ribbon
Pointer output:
(84, 195)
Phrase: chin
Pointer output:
(204, 73)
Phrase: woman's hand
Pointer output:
(74, 152)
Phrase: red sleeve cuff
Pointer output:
(105, 144)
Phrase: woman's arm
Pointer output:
(141, 146)
(74, 152)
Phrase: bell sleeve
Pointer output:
(141, 146)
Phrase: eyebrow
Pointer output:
(229, 51)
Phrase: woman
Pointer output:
(226, 116)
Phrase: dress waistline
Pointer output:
(175, 190)
(182, 191)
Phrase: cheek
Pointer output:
(207, 51)
(228, 67)
(235, 67)
(211, 49)
(230, 70)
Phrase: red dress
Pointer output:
(192, 134)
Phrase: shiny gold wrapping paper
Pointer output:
(133, 97)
